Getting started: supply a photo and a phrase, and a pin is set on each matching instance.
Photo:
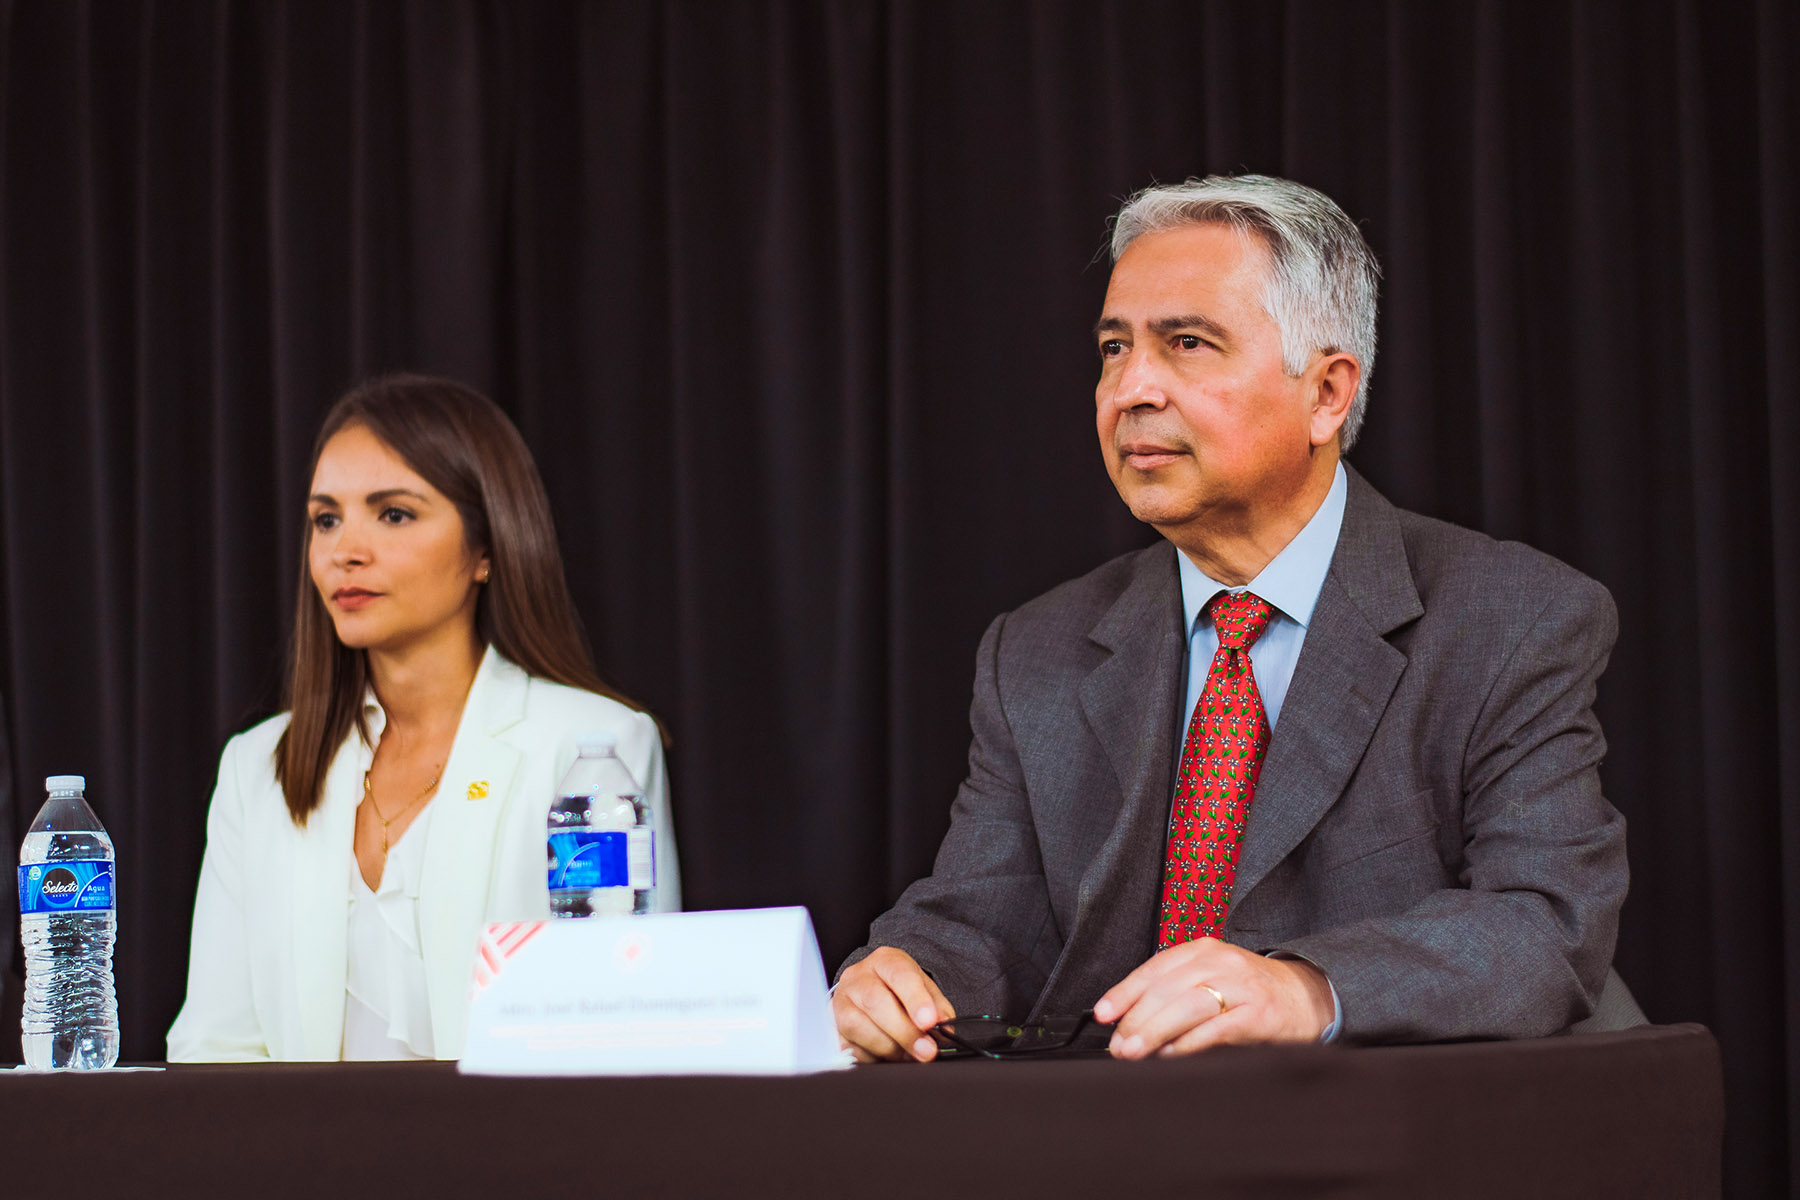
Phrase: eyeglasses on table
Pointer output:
(1004, 1037)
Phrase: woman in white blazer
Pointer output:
(358, 843)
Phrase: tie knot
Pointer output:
(1239, 618)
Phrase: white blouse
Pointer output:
(387, 1005)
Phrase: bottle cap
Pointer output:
(595, 742)
(66, 783)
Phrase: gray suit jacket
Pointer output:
(1428, 827)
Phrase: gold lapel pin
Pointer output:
(478, 790)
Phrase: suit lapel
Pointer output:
(1127, 701)
(1342, 683)
(321, 905)
(463, 839)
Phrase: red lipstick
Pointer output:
(350, 599)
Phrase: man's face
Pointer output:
(1197, 419)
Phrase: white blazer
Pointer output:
(266, 973)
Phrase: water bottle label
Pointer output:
(66, 885)
(588, 858)
(640, 863)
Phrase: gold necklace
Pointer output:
(369, 795)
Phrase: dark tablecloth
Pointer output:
(1635, 1114)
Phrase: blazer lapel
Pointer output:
(1342, 683)
(463, 838)
(321, 906)
(1128, 701)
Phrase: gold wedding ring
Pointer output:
(1216, 995)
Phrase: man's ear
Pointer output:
(1333, 381)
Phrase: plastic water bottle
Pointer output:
(602, 860)
(66, 914)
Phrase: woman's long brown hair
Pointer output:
(464, 446)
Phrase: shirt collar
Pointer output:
(495, 677)
(374, 714)
(1293, 579)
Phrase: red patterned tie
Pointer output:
(1226, 740)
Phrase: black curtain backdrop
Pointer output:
(791, 302)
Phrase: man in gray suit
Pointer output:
(1376, 728)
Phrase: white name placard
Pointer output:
(700, 993)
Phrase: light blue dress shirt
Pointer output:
(1291, 583)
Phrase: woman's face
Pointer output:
(387, 552)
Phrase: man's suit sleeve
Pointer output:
(1521, 948)
(981, 922)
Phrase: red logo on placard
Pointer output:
(499, 943)
(631, 952)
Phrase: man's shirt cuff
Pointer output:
(1337, 1006)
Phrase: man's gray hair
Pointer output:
(1323, 278)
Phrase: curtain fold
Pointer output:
(1778, 126)
(792, 302)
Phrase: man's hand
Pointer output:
(1172, 1004)
(884, 1005)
